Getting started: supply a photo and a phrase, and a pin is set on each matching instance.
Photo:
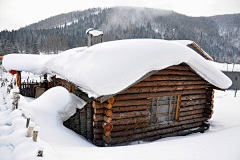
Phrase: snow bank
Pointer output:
(110, 67)
(58, 102)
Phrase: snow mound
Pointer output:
(58, 102)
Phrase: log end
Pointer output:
(107, 139)
(107, 127)
(111, 100)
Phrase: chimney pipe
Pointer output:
(94, 36)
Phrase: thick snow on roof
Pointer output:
(110, 67)
(226, 67)
(26, 62)
(188, 42)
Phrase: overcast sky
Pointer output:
(19, 13)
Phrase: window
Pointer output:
(163, 109)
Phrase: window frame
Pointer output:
(174, 113)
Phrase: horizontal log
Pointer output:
(107, 119)
(129, 126)
(111, 100)
(158, 94)
(107, 133)
(130, 108)
(172, 78)
(181, 114)
(193, 102)
(98, 124)
(164, 88)
(99, 143)
(178, 67)
(98, 117)
(210, 96)
(131, 102)
(208, 111)
(170, 83)
(191, 117)
(143, 135)
(130, 120)
(107, 127)
(121, 128)
(107, 139)
(175, 72)
(97, 136)
(98, 105)
(153, 127)
(178, 133)
(98, 130)
(190, 108)
(123, 115)
(208, 116)
(193, 96)
(108, 113)
(209, 106)
(99, 111)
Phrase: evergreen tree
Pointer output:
(27, 46)
(35, 47)
(1, 51)
(15, 49)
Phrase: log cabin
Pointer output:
(136, 90)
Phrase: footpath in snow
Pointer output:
(221, 141)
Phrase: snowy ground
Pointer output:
(221, 141)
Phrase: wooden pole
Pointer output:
(40, 152)
(30, 129)
(28, 120)
(35, 133)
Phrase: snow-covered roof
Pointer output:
(201, 51)
(226, 67)
(108, 68)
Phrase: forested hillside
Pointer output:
(220, 34)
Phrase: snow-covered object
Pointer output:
(188, 42)
(110, 67)
(37, 128)
(16, 90)
(31, 124)
(95, 33)
(226, 67)
(26, 62)
(62, 104)
(28, 115)
(89, 29)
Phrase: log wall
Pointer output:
(124, 118)
(81, 122)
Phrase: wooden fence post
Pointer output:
(35, 133)
(16, 98)
(40, 152)
(28, 120)
(30, 129)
